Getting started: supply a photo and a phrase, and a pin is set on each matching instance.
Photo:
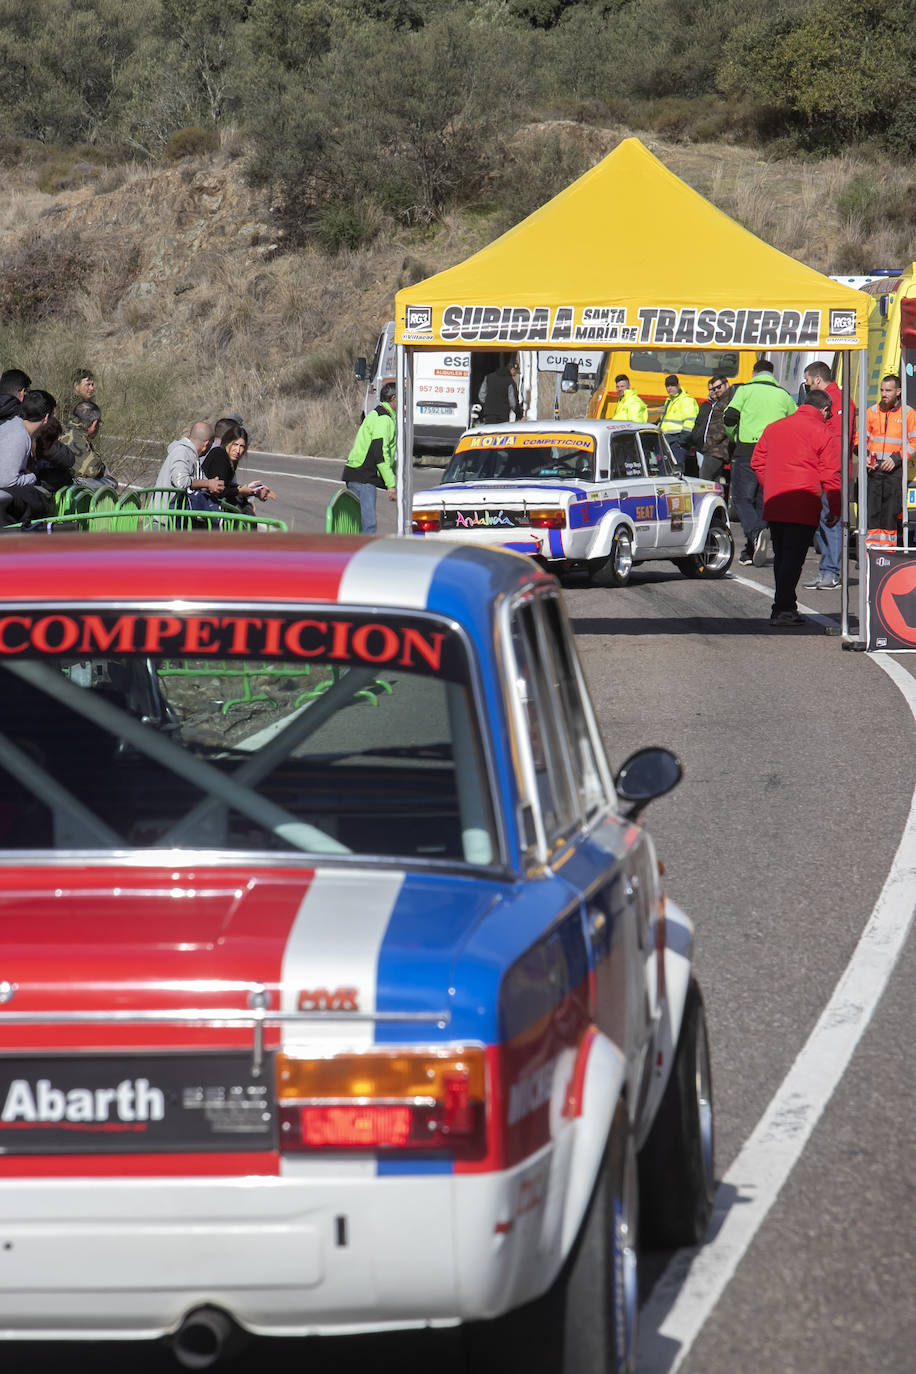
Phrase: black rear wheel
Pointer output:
(614, 571)
(676, 1164)
(716, 557)
(587, 1322)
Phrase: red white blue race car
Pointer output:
(590, 495)
(338, 991)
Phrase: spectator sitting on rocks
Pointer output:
(182, 469)
(88, 465)
(14, 383)
(53, 460)
(16, 438)
(83, 387)
(223, 461)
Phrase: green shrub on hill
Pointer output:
(411, 121)
(39, 275)
(833, 73)
(193, 142)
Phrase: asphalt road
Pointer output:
(799, 775)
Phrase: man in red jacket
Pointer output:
(796, 459)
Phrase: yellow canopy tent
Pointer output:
(627, 255)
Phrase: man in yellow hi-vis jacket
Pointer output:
(677, 417)
(630, 405)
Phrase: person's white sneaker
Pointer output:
(761, 547)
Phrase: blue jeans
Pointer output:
(365, 493)
(831, 542)
(747, 498)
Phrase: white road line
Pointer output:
(819, 616)
(298, 476)
(694, 1281)
(268, 472)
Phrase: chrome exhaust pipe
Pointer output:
(205, 1335)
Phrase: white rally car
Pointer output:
(595, 495)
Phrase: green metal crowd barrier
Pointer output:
(145, 508)
(343, 514)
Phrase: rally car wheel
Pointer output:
(599, 1288)
(676, 1164)
(587, 1322)
(614, 571)
(716, 556)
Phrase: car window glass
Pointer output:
(625, 459)
(376, 359)
(565, 462)
(657, 462)
(334, 734)
(542, 738)
(566, 683)
(686, 362)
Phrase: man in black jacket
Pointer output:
(708, 436)
(499, 395)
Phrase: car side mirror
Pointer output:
(647, 774)
(359, 369)
(570, 380)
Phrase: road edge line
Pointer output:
(690, 1287)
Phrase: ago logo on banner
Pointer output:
(891, 599)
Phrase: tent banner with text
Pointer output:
(495, 325)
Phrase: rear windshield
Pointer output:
(561, 462)
(687, 361)
(309, 732)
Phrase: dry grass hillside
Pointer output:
(171, 283)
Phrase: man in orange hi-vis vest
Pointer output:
(884, 436)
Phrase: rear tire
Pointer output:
(716, 557)
(587, 1322)
(614, 571)
(677, 1163)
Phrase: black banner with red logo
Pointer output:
(891, 599)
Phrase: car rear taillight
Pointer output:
(384, 1100)
(425, 521)
(547, 519)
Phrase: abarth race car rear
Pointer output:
(299, 1034)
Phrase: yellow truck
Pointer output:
(647, 369)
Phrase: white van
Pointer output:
(445, 388)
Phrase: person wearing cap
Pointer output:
(499, 395)
(630, 405)
(88, 465)
(373, 458)
(677, 419)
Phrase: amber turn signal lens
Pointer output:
(547, 519)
